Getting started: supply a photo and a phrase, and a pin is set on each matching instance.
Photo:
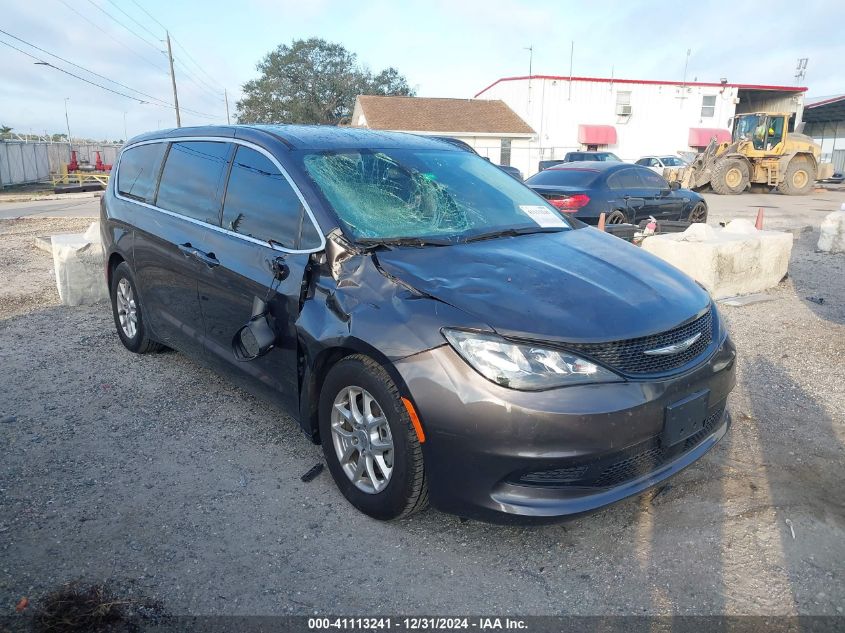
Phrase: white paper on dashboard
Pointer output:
(543, 216)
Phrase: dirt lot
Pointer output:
(153, 475)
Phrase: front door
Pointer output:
(661, 201)
(260, 206)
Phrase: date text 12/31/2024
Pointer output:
(416, 624)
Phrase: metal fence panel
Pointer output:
(22, 162)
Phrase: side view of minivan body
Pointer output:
(440, 329)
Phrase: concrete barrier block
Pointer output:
(78, 262)
(832, 239)
(728, 262)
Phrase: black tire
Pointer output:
(615, 217)
(698, 214)
(800, 177)
(406, 491)
(730, 176)
(140, 342)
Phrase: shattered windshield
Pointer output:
(408, 193)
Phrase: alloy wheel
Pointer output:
(362, 439)
(127, 309)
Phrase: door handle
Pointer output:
(209, 259)
(187, 249)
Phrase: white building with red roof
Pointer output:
(631, 118)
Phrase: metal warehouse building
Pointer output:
(825, 122)
(632, 118)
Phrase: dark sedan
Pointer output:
(624, 192)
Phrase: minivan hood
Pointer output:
(578, 286)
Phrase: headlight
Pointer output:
(526, 367)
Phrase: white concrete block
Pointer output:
(78, 262)
(832, 239)
(726, 262)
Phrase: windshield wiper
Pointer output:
(513, 232)
(418, 242)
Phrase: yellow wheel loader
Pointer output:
(763, 151)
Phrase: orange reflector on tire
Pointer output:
(415, 420)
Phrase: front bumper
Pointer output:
(503, 455)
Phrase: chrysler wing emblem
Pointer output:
(673, 349)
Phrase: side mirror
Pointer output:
(256, 337)
(674, 185)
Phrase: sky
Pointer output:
(445, 48)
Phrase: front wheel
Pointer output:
(698, 213)
(730, 176)
(370, 445)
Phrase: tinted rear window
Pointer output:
(139, 167)
(260, 201)
(564, 177)
(192, 180)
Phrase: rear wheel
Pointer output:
(128, 315)
(799, 178)
(616, 217)
(730, 176)
(369, 442)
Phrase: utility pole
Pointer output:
(226, 98)
(530, 50)
(173, 81)
(571, 56)
(125, 133)
(67, 120)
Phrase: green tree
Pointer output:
(312, 81)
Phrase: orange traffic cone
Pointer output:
(758, 224)
(601, 222)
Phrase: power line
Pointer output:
(110, 36)
(188, 74)
(115, 20)
(179, 44)
(164, 104)
(149, 15)
(117, 83)
(196, 63)
(93, 83)
(195, 80)
(117, 6)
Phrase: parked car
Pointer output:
(508, 169)
(658, 163)
(623, 192)
(574, 157)
(438, 327)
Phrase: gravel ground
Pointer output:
(151, 474)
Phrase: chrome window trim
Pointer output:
(220, 229)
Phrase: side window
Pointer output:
(138, 171)
(708, 106)
(192, 180)
(262, 204)
(652, 180)
(625, 179)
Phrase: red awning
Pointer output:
(597, 134)
(700, 136)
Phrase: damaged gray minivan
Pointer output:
(439, 328)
